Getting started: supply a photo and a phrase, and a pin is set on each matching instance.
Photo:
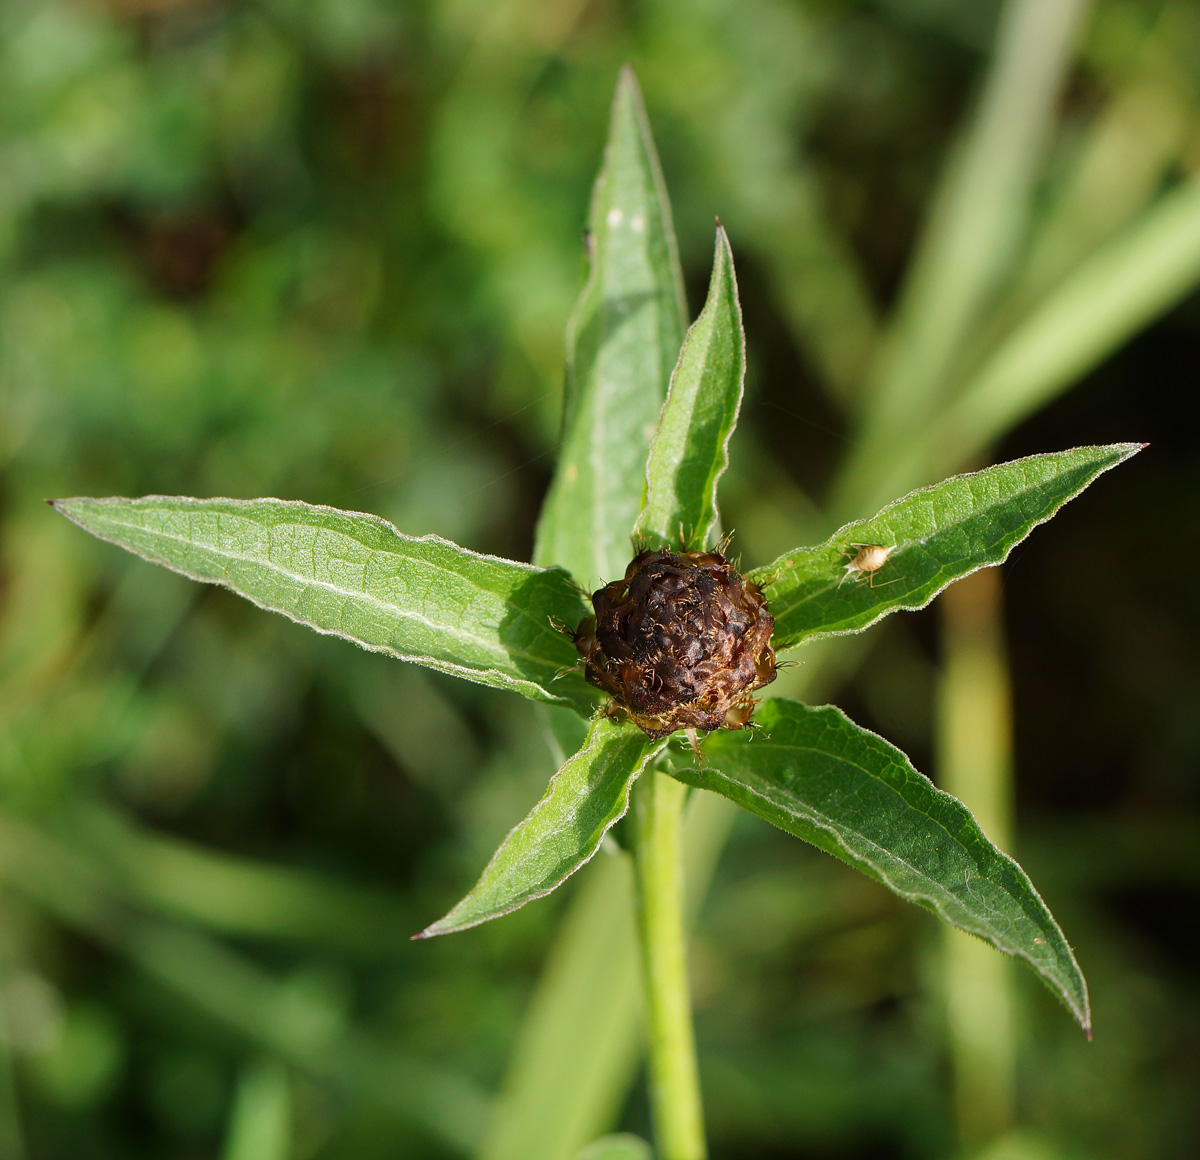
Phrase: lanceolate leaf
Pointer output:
(622, 343)
(691, 446)
(815, 774)
(355, 576)
(585, 797)
(936, 535)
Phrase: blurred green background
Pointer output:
(327, 250)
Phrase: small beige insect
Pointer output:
(866, 562)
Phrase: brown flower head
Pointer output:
(681, 642)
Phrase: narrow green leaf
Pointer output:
(585, 797)
(260, 1126)
(817, 775)
(936, 535)
(421, 599)
(1114, 293)
(969, 243)
(555, 1097)
(973, 233)
(691, 446)
(619, 1147)
(622, 343)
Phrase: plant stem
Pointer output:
(674, 1080)
(974, 746)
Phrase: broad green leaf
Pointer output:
(421, 599)
(691, 446)
(817, 775)
(936, 535)
(622, 344)
(585, 797)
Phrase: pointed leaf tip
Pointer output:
(690, 450)
(622, 341)
(819, 776)
(937, 534)
(563, 831)
(352, 575)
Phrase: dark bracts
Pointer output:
(680, 643)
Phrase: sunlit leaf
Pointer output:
(691, 446)
(935, 535)
(817, 775)
(421, 599)
(585, 797)
(622, 344)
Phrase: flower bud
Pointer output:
(680, 643)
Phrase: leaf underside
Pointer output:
(562, 832)
(622, 344)
(691, 446)
(937, 535)
(421, 599)
(817, 775)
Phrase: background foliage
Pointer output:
(327, 251)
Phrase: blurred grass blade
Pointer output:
(619, 1147)
(691, 446)
(261, 1125)
(238, 895)
(1112, 295)
(558, 1094)
(347, 574)
(817, 775)
(556, 1097)
(585, 797)
(284, 1018)
(937, 535)
(1124, 160)
(12, 1140)
(973, 233)
(622, 344)
(813, 269)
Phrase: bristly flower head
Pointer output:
(680, 643)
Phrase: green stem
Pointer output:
(674, 1080)
(974, 758)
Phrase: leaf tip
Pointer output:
(627, 83)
